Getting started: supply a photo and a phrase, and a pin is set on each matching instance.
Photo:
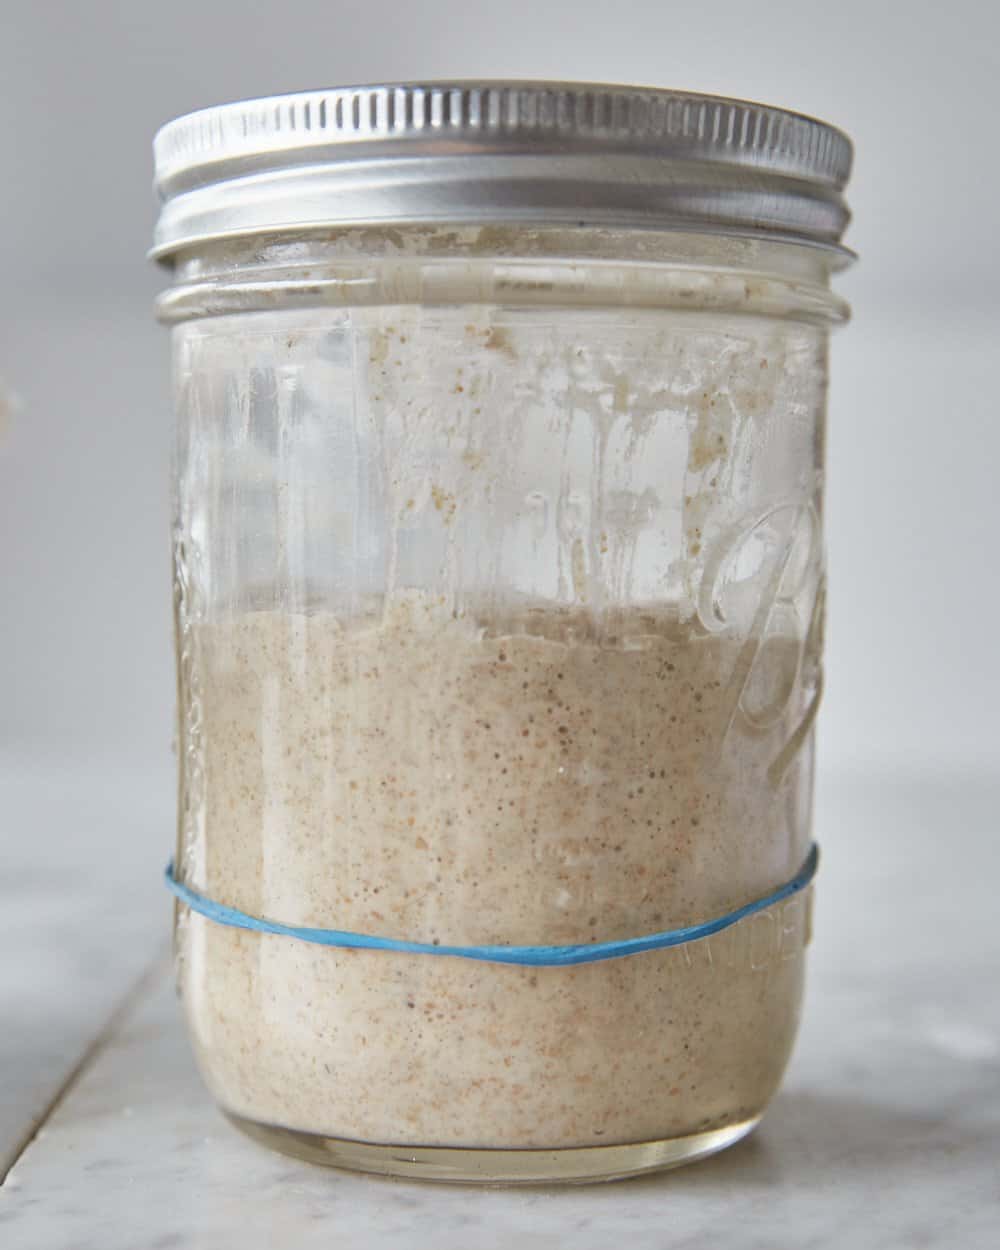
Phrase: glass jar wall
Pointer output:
(499, 591)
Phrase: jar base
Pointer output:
(469, 1165)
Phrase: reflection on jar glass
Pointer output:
(499, 602)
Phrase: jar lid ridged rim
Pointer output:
(477, 152)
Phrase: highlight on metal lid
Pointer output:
(567, 154)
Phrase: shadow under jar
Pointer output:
(499, 599)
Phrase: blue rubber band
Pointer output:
(531, 956)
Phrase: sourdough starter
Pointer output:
(434, 777)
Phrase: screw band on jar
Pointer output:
(529, 956)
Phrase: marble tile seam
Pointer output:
(116, 1018)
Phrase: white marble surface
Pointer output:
(886, 1134)
(81, 916)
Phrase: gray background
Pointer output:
(85, 664)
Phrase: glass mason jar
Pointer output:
(499, 600)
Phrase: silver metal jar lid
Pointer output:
(564, 154)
